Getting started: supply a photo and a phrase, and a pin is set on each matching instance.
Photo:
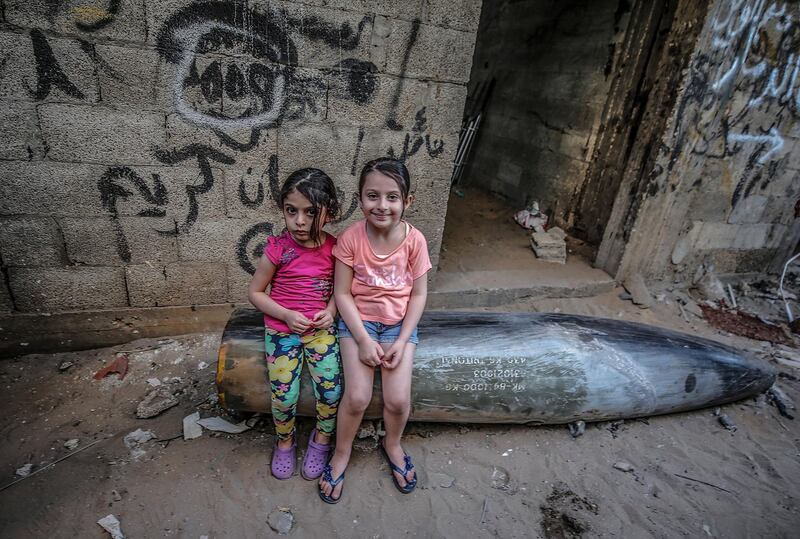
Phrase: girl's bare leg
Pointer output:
(357, 394)
(397, 406)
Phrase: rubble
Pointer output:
(640, 294)
(155, 402)
(220, 425)
(119, 366)
(191, 429)
(281, 520)
(112, 525)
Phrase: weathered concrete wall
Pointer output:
(143, 141)
(551, 61)
(724, 184)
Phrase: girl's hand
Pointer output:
(394, 355)
(323, 319)
(297, 322)
(370, 353)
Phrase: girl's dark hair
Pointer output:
(318, 188)
(388, 167)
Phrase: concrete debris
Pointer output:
(155, 402)
(64, 365)
(708, 284)
(138, 437)
(281, 520)
(727, 422)
(220, 425)
(111, 524)
(24, 471)
(623, 466)
(557, 232)
(501, 480)
(577, 428)
(202, 365)
(776, 398)
(549, 248)
(191, 429)
(640, 294)
(71, 444)
(367, 430)
(155, 382)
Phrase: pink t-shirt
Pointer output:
(303, 279)
(382, 285)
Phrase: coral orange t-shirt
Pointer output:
(382, 283)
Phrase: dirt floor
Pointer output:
(689, 475)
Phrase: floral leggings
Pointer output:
(285, 354)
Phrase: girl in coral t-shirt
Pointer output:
(380, 290)
(299, 311)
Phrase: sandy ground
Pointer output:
(475, 481)
(690, 476)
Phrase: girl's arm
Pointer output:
(416, 305)
(369, 352)
(257, 294)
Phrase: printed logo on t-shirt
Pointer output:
(383, 277)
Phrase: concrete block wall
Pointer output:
(551, 61)
(144, 140)
(725, 187)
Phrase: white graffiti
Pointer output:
(772, 140)
(189, 38)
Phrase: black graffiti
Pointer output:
(204, 155)
(391, 120)
(48, 71)
(414, 141)
(244, 251)
(111, 190)
(246, 201)
(358, 151)
(270, 74)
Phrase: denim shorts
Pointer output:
(379, 332)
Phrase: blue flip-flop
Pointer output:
(408, 466)
(326, 476)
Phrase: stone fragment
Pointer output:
(640, 294)
(111, 524)
(623, 466)
(549, 248)
(155, 402)
(281, 520)
(191, 427)
(71, 444)
(24, 471)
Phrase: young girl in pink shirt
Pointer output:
(299, 311)
(380, 290)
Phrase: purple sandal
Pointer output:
(316, 458)
(283, 461)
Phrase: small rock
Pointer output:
(155, 402)
(367, 430)
(110, 524)
(155, 382)
(202, 365)
(623, 466)
(500, 478)
(71, 444)
(625, 296)
(726, 422)
(638, 289)
(116, 496)
(24, 471)
(577, 428)
(64, 365)
(137, 437)
(281, 520)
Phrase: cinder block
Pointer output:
(249, 193)
(327, 147)
(107, 242)
(435, 53)
(430, 198)
(432, 229)
(409, 10)
(46, 68)
(327, 38)
(31, 241)
(427, 155)
(461, 15)
(238, 283)
(19, 130)
(749, 210)
(44, 188)
(101, 135)
(217, 239)
(177, 284)
(125, 20)
(67, 289)
(6, 304)
(399, 104)
(128, 75)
